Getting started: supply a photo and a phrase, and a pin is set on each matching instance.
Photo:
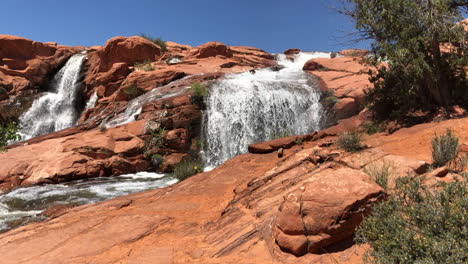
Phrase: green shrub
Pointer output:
(417, 225)
(158, 41)
(350, 141)
(199, 89)
(187, 168)
(329, 97)
(8, 132)
(144, 66)
(133, 91)
(281, 133)
(199, 92)
(372, 127)
(444, 148)
(380, 173)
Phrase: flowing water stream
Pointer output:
(56, 109)
(241, 109)
(258, 106)
(24, 205)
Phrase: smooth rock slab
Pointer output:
(325, 210)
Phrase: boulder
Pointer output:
(345, 108)
(129, 50)
(210, 49)
(325, 210)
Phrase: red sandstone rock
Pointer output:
(346, 78)
(25, 65)
(211, 49)
(129, 50)
(325, 210)
(82, 155)
(345, 108)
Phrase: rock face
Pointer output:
(83, 155)
(344, 80)
(325, 210)
(258, 208)
(25, 66)
(211, 49)
(112, 69)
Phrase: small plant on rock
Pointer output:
(8, 132)
(158, 41)
(199, 92)
(350, 141)
(444, 148)
(187, 168)
(281, 133)
(132, 91)
(372, 127)
(144, 66)
(380, 173)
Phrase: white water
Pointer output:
(250, 107)
(56, 109)
(92, 101)
(26, 204)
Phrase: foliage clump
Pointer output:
(144, 66)
(199, 92)
(280, 133)
(133, 91)
(158, 41)
(444, 148)
(8, 132)
(350, 141)
(187, 168)
(380, 173)
(418, 225)
(418, 53)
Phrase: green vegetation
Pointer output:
(199, 92)
(372, 127)
(187, 168)
(8, 132)
(133, 91)
(380, 173)
(158, 41)
(144, 66)
(329, 97)
(409, 35)
(444, 148)
(350, 141)
(281, 133)
(418, 225)
(155, 142)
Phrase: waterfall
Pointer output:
(56, 109)
(253, 107)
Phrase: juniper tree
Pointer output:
(419, 50)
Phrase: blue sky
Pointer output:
(273, 25)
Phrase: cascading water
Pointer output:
(257, 106)
(55, 110)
